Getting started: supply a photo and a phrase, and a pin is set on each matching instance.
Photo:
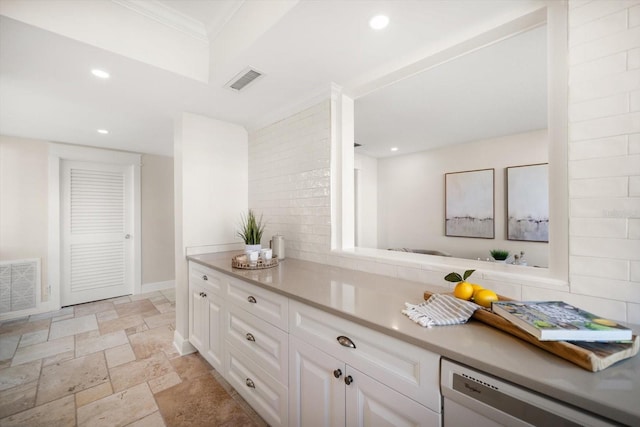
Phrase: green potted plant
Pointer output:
(500, 255)
(251, 230)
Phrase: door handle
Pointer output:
(127, 236)
(251, 299)
(348, 380)
(249, 382)
(250, 337)
(337, 373)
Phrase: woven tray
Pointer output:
(240, 261)
(592, 356)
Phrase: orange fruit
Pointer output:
(484, 297)
(463, 290)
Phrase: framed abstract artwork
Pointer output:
(469, 204)
(528, 203)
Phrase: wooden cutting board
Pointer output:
(592, 356)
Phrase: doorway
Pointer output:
(94, 236)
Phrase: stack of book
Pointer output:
(559, 321)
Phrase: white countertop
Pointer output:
(376, 301)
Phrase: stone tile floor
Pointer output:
(110, 363)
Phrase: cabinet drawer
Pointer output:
(262, 342)
(211, 279)
(260, 302)
(408, 369)
(266, 395)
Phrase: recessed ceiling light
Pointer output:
(379, 22)
(394, 148)
(103, 131)
(100, 73)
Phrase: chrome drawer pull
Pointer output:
(346, 341)
(337, 373)
(204, 277)
(348, 380)
(250, 383)
(251, 299)
(250, 337)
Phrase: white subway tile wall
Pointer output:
(604, 160)
(289, 174)
(289, 181)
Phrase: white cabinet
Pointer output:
(371, 403)
(205, 322)
(287, 360)
(266, 344)
(324, 391)
(386, 381)
(267, 396)
(241, 329)
(316, 386)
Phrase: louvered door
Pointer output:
(97, 252)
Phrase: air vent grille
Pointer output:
(243, 79)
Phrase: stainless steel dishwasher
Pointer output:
(473, 398)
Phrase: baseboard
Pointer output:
(182, 345)
(157, 286)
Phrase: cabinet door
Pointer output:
(316, 387)
(198, 318)
(370, 403)
(214, 350)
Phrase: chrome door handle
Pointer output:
(251, 299)
(337, 373)
(249, 382)
(250, 337)
(346, 341)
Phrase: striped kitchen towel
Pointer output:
(440, 310)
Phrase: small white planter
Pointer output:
(251, 248)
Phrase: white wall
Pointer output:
(210, 184)
(289, 181)
(604, 154)
(366, 209)
(157, 218)
(411, 195)
(24, 202)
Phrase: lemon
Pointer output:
(463, 290)
(476, 288)
(484, 297)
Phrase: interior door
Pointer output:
(97, 221)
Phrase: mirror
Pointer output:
(486, 109)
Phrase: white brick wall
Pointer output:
(289, 174)
(289, 181)
(604, 165)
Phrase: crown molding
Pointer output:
(168, 16)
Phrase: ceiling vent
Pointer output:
(243, 79)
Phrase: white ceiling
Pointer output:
(495, 91)
(47, 92)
